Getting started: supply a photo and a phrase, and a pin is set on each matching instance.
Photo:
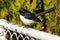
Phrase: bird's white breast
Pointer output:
(27, 21)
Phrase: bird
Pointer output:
(29, 18)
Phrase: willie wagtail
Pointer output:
(29, 18)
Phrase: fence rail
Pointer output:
(29, 33)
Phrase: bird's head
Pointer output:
(21, 11)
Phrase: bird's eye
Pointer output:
(28, 14)
(23, 14)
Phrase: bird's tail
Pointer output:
(46, 11)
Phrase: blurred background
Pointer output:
(50, 22)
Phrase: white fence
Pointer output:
(24, 32)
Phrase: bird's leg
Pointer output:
(27, 26)
(30, 26)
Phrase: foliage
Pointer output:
(9, 11)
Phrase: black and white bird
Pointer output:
(29, 18)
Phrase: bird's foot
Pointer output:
(27, 26)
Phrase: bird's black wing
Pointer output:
(31, 16)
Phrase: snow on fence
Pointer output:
(24, 32)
